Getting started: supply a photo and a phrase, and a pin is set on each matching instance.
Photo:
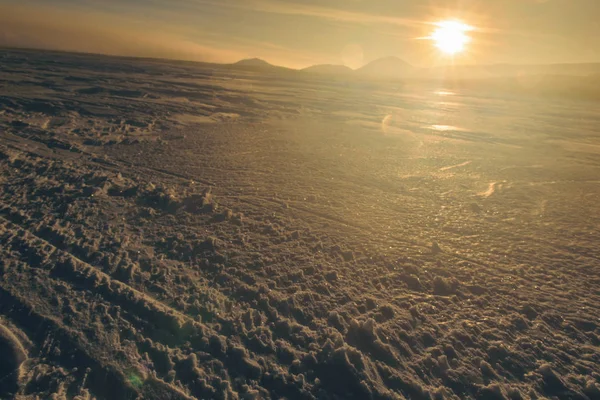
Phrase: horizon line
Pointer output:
(134, 57)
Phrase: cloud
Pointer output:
(329, 13)
(308, 10)
(49, 28)
(128, 34)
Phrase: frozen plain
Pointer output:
(174, 230)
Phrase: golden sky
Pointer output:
(299, 33)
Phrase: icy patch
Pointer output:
(456, 166)
(444, 128)
(492, 188)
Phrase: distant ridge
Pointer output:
(382, 68)
(394, 68)
(329, 69)
(387, 67)
(253, 62)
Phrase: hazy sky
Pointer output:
(300, 33)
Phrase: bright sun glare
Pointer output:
(451, 37)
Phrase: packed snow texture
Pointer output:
(173, 230)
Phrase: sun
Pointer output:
(450, 37)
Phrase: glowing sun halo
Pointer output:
(450, 37)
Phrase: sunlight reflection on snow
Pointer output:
(385, 124)
(445, 128)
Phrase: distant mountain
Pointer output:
(329, 69)
(254, 62)
(259, 65)
(392, 68)
(388, 67)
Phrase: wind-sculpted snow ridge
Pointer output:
(298, 250)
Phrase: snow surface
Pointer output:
(173, 230)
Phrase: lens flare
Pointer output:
(450, 37)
